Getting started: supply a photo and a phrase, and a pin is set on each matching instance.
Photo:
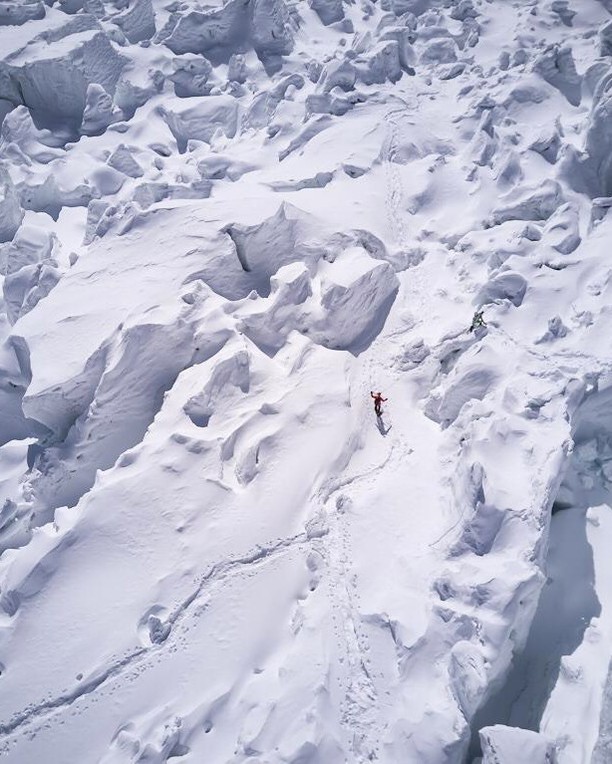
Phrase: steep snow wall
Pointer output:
(50, 76)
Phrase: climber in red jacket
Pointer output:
(378, 401)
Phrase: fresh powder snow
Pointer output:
(223, 225)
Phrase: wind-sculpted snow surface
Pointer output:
(222, 225)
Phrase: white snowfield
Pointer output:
(222, 224)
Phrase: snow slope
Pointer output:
(221, 226)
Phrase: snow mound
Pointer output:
(504, 745)
(201, 120)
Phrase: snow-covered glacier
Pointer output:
(223, 223)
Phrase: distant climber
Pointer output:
(477, 321)
(378, 401)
